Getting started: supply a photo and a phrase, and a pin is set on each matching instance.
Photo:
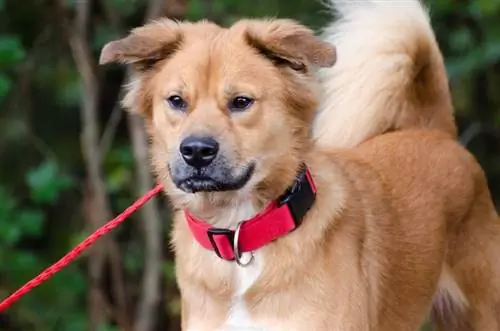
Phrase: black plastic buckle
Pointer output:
(299, 197)
(229, 234)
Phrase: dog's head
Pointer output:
(228, 110)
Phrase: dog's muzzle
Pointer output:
(202, 167)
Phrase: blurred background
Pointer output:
(70, 158)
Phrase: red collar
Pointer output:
(280, 217)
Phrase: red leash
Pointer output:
(75, 252)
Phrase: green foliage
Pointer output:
(5, 85)
(485, 7)
(107, 327)
(124, 7)
(11, 53)
(474, 60)
(119, 167)
(16, 222)
(67, 84)
(46, 183)
(22, 221)
(11, 50)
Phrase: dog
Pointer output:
(317, 182)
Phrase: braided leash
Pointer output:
(75, 252)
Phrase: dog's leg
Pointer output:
(479, 313)
(469, 295)
(450, 304)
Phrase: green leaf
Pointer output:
(461, 39)
(68, 84)
(46, 183)
(125, 7)
(169, 271)
(11, 50)
(118, 179)
(70, 3)
(8, 202)
(8, 231)
(77, 238)
(31, 221)
(16, 222)
(440, 6)
(107, 327)
(486, 7)
(70, 93)
(103, 34)
(474, 60)
(40, 181)
(22, 263)
(195, 10)
(5, 85)
(133, 261)
(10, 235)
(76, 322)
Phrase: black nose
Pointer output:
(199, 152)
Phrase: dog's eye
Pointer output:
(177, 102)
(240, 103)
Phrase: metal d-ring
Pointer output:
(236, 250)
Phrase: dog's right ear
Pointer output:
(142, 49)
(145, 45)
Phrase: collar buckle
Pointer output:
(300, 197)
(226, 234)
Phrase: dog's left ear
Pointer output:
(286, 42)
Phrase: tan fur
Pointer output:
(402, 219)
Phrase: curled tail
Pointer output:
(389, 75)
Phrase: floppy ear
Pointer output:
(287, 42)
(144, 45)
(142, 48)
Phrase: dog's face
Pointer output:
(227, 110)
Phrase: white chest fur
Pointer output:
(238, 317)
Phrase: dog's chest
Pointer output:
(238, 318)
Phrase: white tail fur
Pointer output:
(389, 74)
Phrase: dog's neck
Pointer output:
(224, 210)
(227, 209)
(239, 210)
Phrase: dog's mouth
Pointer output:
(202, 182)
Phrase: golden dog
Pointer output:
(340, 205)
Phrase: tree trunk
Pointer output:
(148, 307)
